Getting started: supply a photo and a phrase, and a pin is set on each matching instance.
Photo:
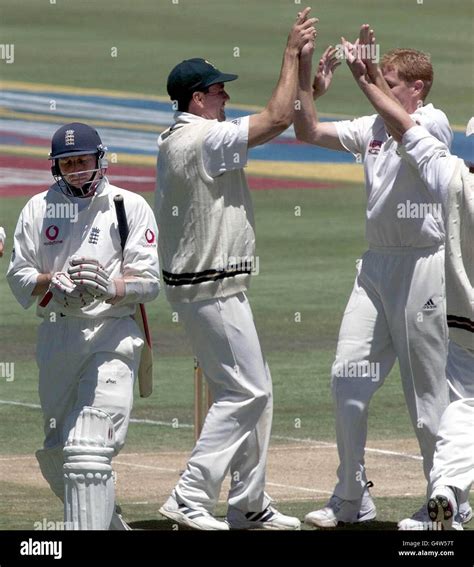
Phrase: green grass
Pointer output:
(307, 262)
(145, 516)
(306, 273)
(307, 266)
(70, 43)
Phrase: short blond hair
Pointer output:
(412, 65)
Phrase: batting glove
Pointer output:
(90, 276)
(66, 293)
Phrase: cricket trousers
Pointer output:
(84, 362)
(396, 311)
(236, 432)
(454, 456)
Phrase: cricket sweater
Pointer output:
(206, 224)
(460, 257)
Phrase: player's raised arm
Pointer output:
(307, 126)
(368, 55)
(394, 115)
(278, 114)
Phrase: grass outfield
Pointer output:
(306, 274)
(306, 260)
(306, 267)
(71, 43)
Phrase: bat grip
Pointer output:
(121, 219)
(46, 299)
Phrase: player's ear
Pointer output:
(198, 97)
(418, 87)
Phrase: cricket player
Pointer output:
(68, 259)
(451, 180)
(2, 240)
(397, 306)
(207, 252)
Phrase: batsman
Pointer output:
(87, 280)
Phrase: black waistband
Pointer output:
(461, 323)
(202, 277)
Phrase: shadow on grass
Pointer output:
(157, 524)
(364, 526)
(164, 524)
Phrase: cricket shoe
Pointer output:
(345, 511)
(178, 511)
(268, 519)
(421, 520)
(443, 508)
(464, 514)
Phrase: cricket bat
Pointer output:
(145, 370)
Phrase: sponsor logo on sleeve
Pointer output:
(374, 147)
(150, 237)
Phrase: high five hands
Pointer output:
(360, 55)
(303, 32)
(327, 64)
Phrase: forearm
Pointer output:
(26, 283)
(307, 126)
(281, 105)
(396, 118)
(135, 290)
(42, 284)
(305, 115)
(379, 80)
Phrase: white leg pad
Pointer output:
(51, 465)
(89, 487)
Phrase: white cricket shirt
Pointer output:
(44, 242)
(395, 191)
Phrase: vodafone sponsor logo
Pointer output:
(52, 233)
(150, 237)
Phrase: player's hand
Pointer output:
(1, 248)
(308, 49)
(66, 292)
(351, 53)
(367, 51)
(302, 32)
(90, 276)
(326, 68)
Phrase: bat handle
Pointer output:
(46, 299)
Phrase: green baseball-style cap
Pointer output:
(193, 75)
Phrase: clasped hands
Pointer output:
(85, 281)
